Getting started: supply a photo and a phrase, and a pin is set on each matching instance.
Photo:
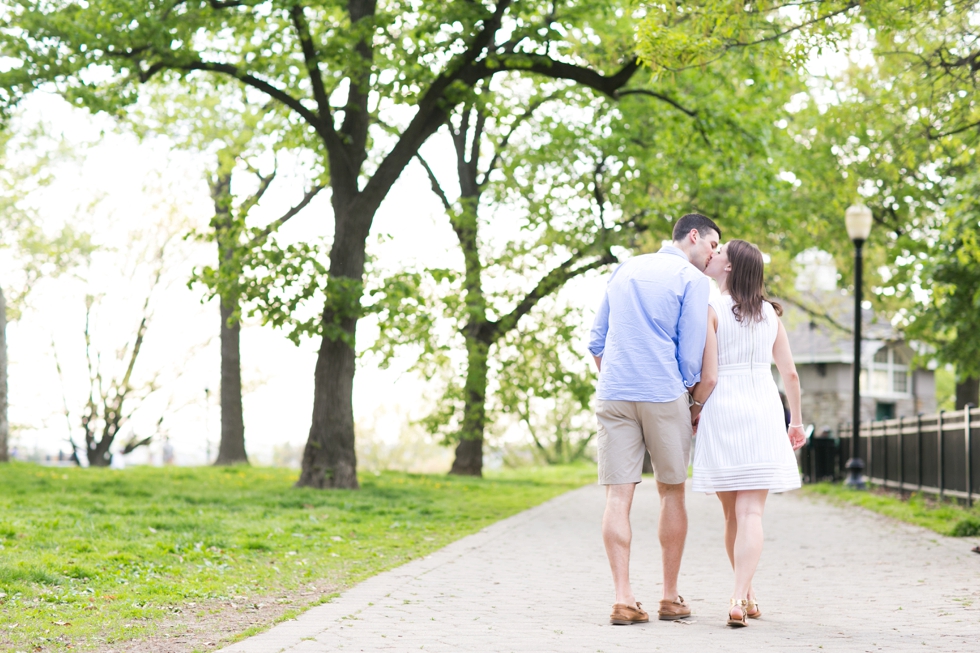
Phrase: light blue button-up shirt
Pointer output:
(650, 328)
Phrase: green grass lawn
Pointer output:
(945, 518)
(89, 557)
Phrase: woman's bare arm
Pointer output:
(709, 366)
(783, 357)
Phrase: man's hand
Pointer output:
(598, 362)
(797, 437)
(695, 418)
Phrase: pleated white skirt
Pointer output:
(741, 442)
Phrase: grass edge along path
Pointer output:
(93, 558)
(946, 517)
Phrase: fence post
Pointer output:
(839, 467)
(918, 446)
(969, 468)
(901, 453)
(884, 456)
(871, 445)
(939, 439)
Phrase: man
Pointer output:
(648, 341)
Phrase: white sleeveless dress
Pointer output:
(741, 442)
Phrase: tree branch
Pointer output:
(431, 113)
(355, 125)
(436, 187)
(275, 224)
(256, 197)
(937, 135)
(551, 282)
(312, 62)
(544, 65)
(506, 139)
(323, 127)
(664, 98)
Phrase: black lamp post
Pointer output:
(858, 220)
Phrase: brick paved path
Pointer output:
(831, 578)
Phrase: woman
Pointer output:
(743, 451)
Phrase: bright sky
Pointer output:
(140, 185)
(131, 185)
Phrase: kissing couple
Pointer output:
(672, 362)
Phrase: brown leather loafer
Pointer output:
(624, 615)
(674, 610)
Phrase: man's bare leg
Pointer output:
(617, 535)
(673, 531)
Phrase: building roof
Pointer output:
(820, 328)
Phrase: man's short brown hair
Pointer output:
(694, 221)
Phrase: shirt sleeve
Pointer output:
(597, 338)
(692, 329)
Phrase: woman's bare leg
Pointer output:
(731, 524)
(731, 529)
(749, 506)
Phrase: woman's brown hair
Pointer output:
(746, 282)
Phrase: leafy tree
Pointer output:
(584, 175)
(334, 67)
(950, 318)
(903, 127)
(31, 253)
(117, 389)
(898, 128)
(223, 123)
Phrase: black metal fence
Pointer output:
(936, 454)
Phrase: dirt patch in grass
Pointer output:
(202, 626)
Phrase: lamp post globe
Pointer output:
(858, 221)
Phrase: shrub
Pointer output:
(966, 527)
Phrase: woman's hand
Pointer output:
(695, 417)
(797, 437)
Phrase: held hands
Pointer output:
(797, 437)
(695, 418)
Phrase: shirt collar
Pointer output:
(676, 251)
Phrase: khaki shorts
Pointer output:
(627, 428)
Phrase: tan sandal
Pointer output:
(742, 605)
(754, 611)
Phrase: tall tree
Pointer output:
(482, 325)
(584, 175)
(333, 66)
(903, 125)
(220, 123)
(235, 242)
(31, 252)
(120, 384)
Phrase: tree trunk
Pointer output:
(231, 449)
(469, 451)
(968, 392)
(4, 424)
(329, 460)
(99, 454)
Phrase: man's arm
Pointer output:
(597, 338)
(692, 330)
